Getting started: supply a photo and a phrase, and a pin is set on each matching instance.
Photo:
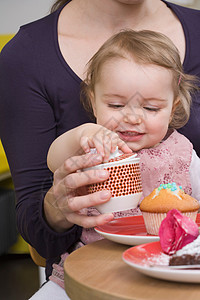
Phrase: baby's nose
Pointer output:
(133, 115)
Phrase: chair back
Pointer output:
(36, 257)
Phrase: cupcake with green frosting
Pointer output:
(166, 197)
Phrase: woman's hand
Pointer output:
(104, 140)
(66, 201)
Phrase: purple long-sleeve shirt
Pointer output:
(39, 100)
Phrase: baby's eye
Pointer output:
(115, 106)
(152, 108)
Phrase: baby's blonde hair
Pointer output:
(145, 47)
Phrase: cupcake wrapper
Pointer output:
(153, 220)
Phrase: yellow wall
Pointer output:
(4, 38)
(3, 160)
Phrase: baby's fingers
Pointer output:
(108, 145)
(120, 144)
(85, 144)
(124, 147)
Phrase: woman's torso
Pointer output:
(80, 36)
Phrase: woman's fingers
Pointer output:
(80, 179)
(75, 164)
(69, 193)
(89, 222)
(73, 208)
(68, 201)
(80, 202)
(65, 191)
(80, 162)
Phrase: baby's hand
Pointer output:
(104, 140)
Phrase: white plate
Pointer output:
(143, 257)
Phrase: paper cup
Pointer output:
(124, 183)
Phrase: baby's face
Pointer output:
(135, 101)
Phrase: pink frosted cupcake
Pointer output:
(163, 199)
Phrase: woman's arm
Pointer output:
(27, 128)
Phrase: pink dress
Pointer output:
(168, 162)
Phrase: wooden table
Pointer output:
(97, 272)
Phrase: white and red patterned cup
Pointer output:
(124, 183)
